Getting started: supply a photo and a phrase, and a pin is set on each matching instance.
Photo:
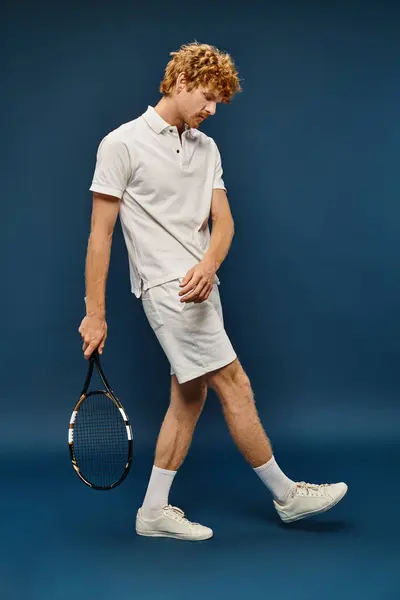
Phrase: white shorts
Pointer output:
(192, 336)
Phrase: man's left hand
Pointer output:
(198, 282)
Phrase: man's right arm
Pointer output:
(112, 172)
(93, 328)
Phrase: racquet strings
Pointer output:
(100, 440)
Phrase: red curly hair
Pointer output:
(204, 66)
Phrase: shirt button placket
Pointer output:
(179, 152)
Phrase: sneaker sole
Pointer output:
(176, 536)
(315, 512)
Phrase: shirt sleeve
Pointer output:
(112, 169)
(218, 183)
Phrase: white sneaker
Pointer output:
(308, 499)
(171, 523)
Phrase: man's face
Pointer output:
(197, 105)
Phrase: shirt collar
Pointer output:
(154, 120)
(157, 123)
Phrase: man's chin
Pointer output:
(195, 123)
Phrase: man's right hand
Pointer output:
(93, 331)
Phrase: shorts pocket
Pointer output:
(202, 317)
(150, 308)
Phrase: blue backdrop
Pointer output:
(310, 289)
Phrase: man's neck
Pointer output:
(166, 108)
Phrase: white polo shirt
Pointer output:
(165, 188)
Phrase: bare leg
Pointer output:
(234, 391)
(233, 388)
(175, 437)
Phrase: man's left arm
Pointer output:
(222, 230)
(198, 282)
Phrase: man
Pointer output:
(164, 179)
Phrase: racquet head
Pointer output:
(100, 435)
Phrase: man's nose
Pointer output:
(211, 108)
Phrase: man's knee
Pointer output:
(231, 376)
(188, 397)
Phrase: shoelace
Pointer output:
(310, 489)
(178, 515)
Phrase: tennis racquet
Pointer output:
(99, 435)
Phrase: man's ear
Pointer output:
(181, 82)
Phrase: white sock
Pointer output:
(157, 492)
(276, 481)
